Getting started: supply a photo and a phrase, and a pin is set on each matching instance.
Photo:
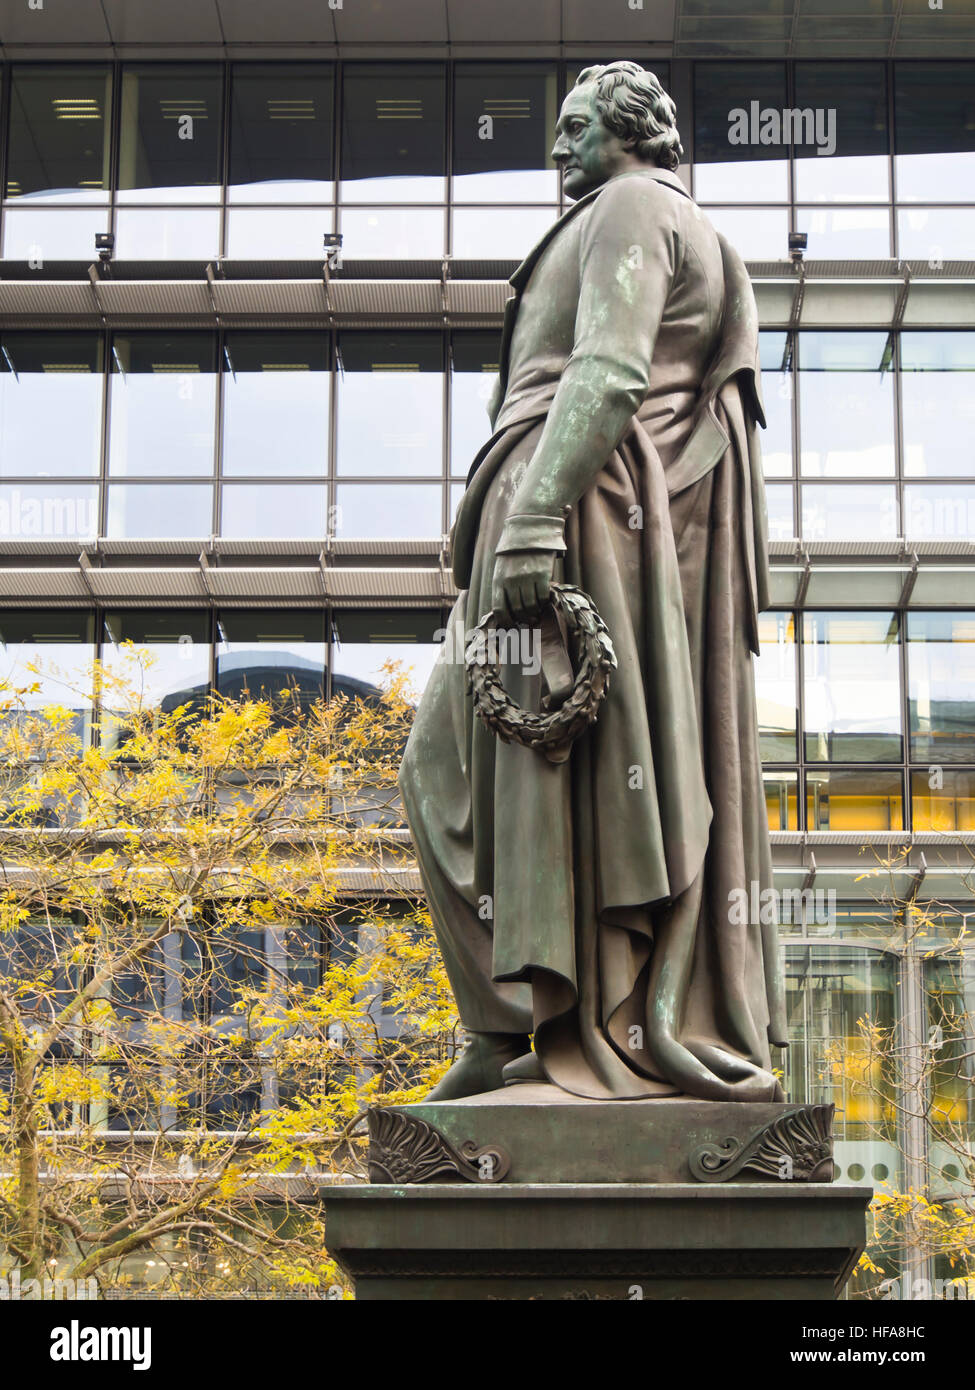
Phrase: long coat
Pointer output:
(598, 902)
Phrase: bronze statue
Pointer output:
(585, 897)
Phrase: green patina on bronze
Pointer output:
(586, 901)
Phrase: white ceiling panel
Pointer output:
(504, 20)
(59, 22)
(584, 22)
(285, 21)
(149, 21)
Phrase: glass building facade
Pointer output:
(283, 433)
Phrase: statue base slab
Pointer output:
(728, 1241)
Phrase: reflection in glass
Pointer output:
(830, 989)
(943, 800)
(256, 234)
(393, 133)
(162, 655)
(367, 638)
(781, 800)
(939, 511)
(851, 666)
(498, 234)
(757, 234)
(51, 388)
(172, 123)
(52, 234)
(857, 169)
(950, 998)
(59, 123)
(273, 511)
(775, 687)
(849, 511)
(738, 172)
(281, 133)
(504, 130)
(163, 404)
(859, 800)
(390, 404)
(59, 645)
(936, 234)
(941, 686)
(160, 511)
(474, 369)
(935, 131)
(846, 405)
(276, 389)
(167, 234)
(860, 234)
(938, 404)
(392, 233)
(263, 652)
(388, 511)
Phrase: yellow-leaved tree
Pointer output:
(207, 970)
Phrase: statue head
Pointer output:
(616, 118)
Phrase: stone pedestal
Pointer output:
(597, 1240)
(529, 1192)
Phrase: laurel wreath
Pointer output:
(550, 731)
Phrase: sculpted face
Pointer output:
(586, 150)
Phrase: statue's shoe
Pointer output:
(479, 1067)
(526, 1068)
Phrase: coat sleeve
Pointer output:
(630, 252)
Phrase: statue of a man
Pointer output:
(607, 904)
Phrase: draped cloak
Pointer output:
(607, 903)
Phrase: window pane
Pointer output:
(936, 234)
(781, 800)
(388, 511)
(257, 234)
(935, 135)
(168, 660)
(474, 362)
(50, 404)
(852, 687)
(939, 511)
(172, 120)
(856, 168)
(849, 511)
(732, 161)
(51, 234)
(757, 234)
(500, 234)
(262, 652)
(393, 127)
(365, 639)
(167, 234)
(276, 389)
(941, 666)
(390, 404)
(861, 234)
(777, 389)
(504, 130)
(943, 800)
(163, 404)
(59, 120)
(273, 511)
(160, 511)
(938, 403)
(781, 522)
(775, 687)
(950, 999)
(854, 801)
(49, 510)
(846, 405)
(281, 133)
(60, 647)
(392, 233)
(830, 989)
